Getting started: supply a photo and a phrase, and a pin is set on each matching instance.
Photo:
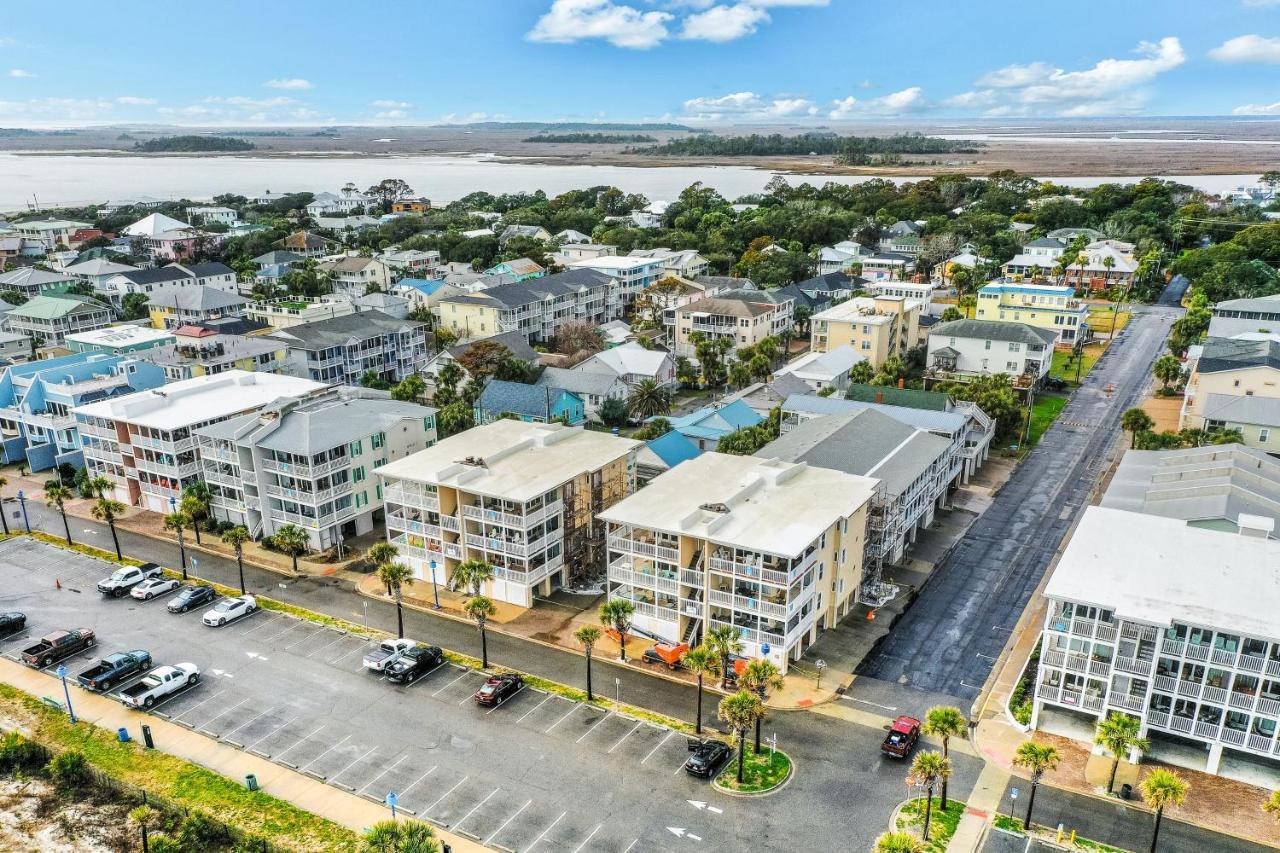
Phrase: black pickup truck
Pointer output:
(56, 646)
(114, 668)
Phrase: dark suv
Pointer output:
(705, 757)
(498, 689)
(414, 663)
(192, 595)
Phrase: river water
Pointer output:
(81, 179)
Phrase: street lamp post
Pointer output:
(66, 692)
(435, 590)
(22, 500)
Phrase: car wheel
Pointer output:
(192, 679)
(48, 661)
(222, 622)
(104, 686)
(148, 596)
(149, 701)
(184, 608)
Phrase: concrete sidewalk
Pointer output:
(346, 809)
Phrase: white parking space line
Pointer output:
(603, 717)
(587, 840)
(188, 710)
(224, 713)
(331, 748)
(354, 763)
(451, 683)
(632, 845)
(534, 708)
(274, 619)
(494, 834)
(476, 806)
(503, 702)
(303, 638)
(336, 639)
(415, 782)
(656, 748)
(562, 719)
(544, 832)
(273, 637)
(300, 742)
(358, 650)
(384, 772)
(270, 733)
(445, 794)
(624, 737)
(250, 722)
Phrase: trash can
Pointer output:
(123, 734)
(251, 782)
(1126, 791)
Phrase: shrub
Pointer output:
(69, 771)
(19, 755)
(198, 832)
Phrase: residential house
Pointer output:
(877, 327)
(413, 262)
(770, 549)
(536, 308)
(1044, 306)
(48, 319)
(1233, 317)
(745, 317)
(523, 497)
(145, 444)
(14, 347)
(662, 454)
(391, 304)
(514, 342)
(343, 349)
(570, 236)
(290, 311)
(97, 271)
(519, 269)
(198, 351)
(36, 399)
(822, 370)
(188, 306)
(353, 275)
(307, 245)
(944, 273)
(342, 203)
(632, 363)
(706, 426)
(569, 252)
(30, 281)
(633, 275)
(424, 294)
(13, 248)
(1109, 264)
(278, 257)
(309, 462)
(841, 257)
(823, 290)
(118, 340)
(679, 263)
(1229, 368)
(420, 205)
(964, 349)
(541, 403)
(899, 230)
(591, 388)
(918, 291)
(166, 238)
(207, 215)
(886, 265)
(50, 232)
(532, 232)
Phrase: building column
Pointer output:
(1036, 705)
(544, 587)
(1215, 758)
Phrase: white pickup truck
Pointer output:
(387, 653)
(158, 683)
(124, 579)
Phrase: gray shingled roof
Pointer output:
(532, 290)
(1221, 354)
(514, 341)
(579, 381)
(994, 330)
(337, 331)
(529, 400)
(197, 299)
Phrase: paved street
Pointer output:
(949, 639)
(537, 773)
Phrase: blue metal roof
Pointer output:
(427, 285)
(715, 422)
(673, 448)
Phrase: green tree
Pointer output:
(616, 614)
(861, 373)
(899, 842)
(394, 576)
(648, 399)
(996, 397)
(1035, 759)
(613, 412)
(410, 389)
(480, 608)
(471, 575)
(946, 722)
(588, 636)
(1272, 805)
(456, 417)
(701, 661)
(760, 676)
(292, 540)
(1119, 734)
(56, 497)
(236, 537)
(951, 313)
(740, 712)
(373, 379)
(724, 641)
(400, 836)
(1167, 369)
(99, 486)
(178, 522)
(1135, 421)
(1162, 788)
(927, 770)
(108, 510)
(134, 306)
(196, 502)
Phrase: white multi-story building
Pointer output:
(342, 350)
(769, 548)
(1172, 623)
(632, 274)
(961, 350)
(522, 497)
(296, 310)
(309, 462)
(145, 443)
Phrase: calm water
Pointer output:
(78, 179)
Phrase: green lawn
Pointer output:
(1064, 362)
(1044, 412)
(942, 824)
(1100, 318)
(762, 771)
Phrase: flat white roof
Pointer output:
(115, 336)
(615, 262)
(772, 506)
(851, 310)
(1159, 570)
(511, 459)
(204, 398)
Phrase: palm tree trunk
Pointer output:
(1155, 835)
(4, 519)
(590, 697)
(182, 552)
(622, 642)
(399, 614)
(65, 526)
(758, 719)
(240, 567)
(484, 649)
(195, 525)
(742, 752)
(1115, 765)
(1031, 804)
(697, 725)
(928, 811)
(111, 523)
(295, 561)
(945, 754)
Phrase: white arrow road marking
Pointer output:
(697, 804)
(715, 810)
(694, 837)
(677, 831)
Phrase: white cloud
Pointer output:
(1014, 76)
(1250, 48)
(748, 105)
(469, 118)
(129, 100)
(54, 111)
(18, 72)
(724, 23)
(390, 105)
(1258, 109)
(568, 21)
(253, 103)
(896, 103)
(289, 83)
(391, 114)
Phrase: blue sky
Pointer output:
(707, 61)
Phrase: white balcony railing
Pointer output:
(649, 549)
(770, 576)
(411, 497)
(1129, 702)
(621, 572)
(747, 604)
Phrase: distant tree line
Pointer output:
(851, 149)
(598, 138)
(193, 143)
(575, 125)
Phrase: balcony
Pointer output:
(1270, 707)
(1172, 647)
(1138, 632)
(1053, 658)
(621, 570)
(1189, 688)
(1251, 664)
(1106, 633)
(747, 570)
(450, 523)
(1273, 667)
(302, 471)
(399, 522)
(1165, 683)
(1047, 691)
(410, 497)
(1241, 700)
(688, 577)
(1260, 743)
(1133, 665)
(1209, 730)
(653, 611)
(1224, 657)
(1129, 702)
(222, 478)
(505, 546)
(1181, 724)
(1159, 719)
(747, 604)
(752, 635)
(1077, 663)
(1235, 737)
(649, 549)
(509, 519)
(1215, 694)
(1194, 652)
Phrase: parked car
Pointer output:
(56, 646)
(113, 669)
(902, 737)
(191, 595)
(229, 610)
(667, 654)
(12, 623)
(158, 683)
(151, 587)
(498, 689)
(706, 757)
(414, 663)
(126, 578)
(387, 652)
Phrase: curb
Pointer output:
(749, 795)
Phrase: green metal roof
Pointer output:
(911, 398)
(54, 307)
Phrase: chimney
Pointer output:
(1255, 526)
(879, 397)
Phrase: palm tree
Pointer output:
(1134, 421)
(927, 770)
(400, 836)
(236, 537)
(472, 575)
(480, 608)
(178, 522)
(1118, 734)
(56, 497)
(648, 399)
(761, 676)
(291, 539)
(1272, 805)
(196, 501)
(1167, 369)
(899, 842)
(395, 576)
(1036, 759)
(99, 486)
(1109, 262)
(616, 614)
(1162, 788)
(588, 635)
(106, 509)
(967, 303)
(380, 554)
(725, 641)
(945, 722)
(701, 661)
(4, 481)
(740, 711)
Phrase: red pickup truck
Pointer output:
(902, 737)
(56, 646)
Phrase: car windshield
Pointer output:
(489, 689)
(120, 574)
(225, 604)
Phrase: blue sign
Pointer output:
(1013, 793)
(392, 799)
(62, 671)
(764, 649)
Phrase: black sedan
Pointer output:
(12, 623)
(414, 663)
(192, 595)
(706, 757)
(498, 689)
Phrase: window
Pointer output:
(1011, 366)
(1264, 434)
(357, 474)
(355, 448)
(987, 344)
(377, 440)
(1015, 347)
